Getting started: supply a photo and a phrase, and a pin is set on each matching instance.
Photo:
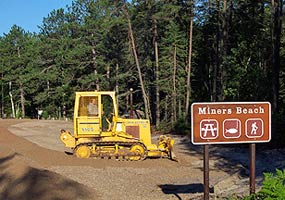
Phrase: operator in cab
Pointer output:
(93, 107)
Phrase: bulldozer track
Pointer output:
(124, 153)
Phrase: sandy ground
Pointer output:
(35, 165)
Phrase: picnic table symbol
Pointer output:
(209, 129)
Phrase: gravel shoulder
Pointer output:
(35, 144)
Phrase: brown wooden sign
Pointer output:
(231, 122)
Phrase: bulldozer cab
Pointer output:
(93, 112)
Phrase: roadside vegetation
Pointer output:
(164, 54)
(273, 187)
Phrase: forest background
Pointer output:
(165, 54)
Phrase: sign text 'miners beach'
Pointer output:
(203, 110)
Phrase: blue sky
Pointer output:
(27, 14)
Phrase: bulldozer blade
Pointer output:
(173, 156)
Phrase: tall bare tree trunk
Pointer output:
(3, 114)
(210, 68)
(277, 7)
(157, 88)
(108, 72)
(166, 108)
(11, 99)
(188, 85)
(22, 98)
(223, 50)
(180, 108)
(174, 94)
(217, 65)
(134, 50)
(94, 57)
(117, 84)
(215, 53)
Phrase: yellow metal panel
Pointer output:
(88, 126)
(144, 128)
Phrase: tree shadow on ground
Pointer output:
(26, 183)
(234, 158)
(176, 190)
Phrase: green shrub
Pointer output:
(273, 187)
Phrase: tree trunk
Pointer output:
(157, 88)
(117, 85)
(223, 50)
(217, 72)
(174, 94)
(94, 56)
(3, 114)
(108, 76)
(134, 50)
(180, 108)
(11, 99)
(277, 27)
(21, 90)
(166, 109)
(22, 96)
(215, 53)
(188, 85)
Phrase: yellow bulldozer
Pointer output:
(99, 131)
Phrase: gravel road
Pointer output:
(35, 144)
